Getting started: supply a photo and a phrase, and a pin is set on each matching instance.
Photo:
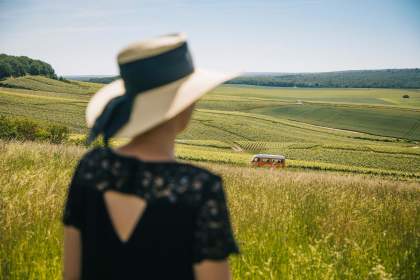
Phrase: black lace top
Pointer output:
(186, 219)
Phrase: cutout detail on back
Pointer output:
(124, 211)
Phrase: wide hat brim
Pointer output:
(155, 106)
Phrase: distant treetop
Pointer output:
(386, 78)
(16, 66)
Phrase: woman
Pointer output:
(134, 212)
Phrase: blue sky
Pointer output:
(83, 37)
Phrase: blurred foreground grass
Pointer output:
(290, 224)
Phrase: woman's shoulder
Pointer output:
(101, 163)
(99, 155)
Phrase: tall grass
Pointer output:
(299, 225)
(290, 225)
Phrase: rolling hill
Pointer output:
(346, 206)
(41, 83)
(352, 130)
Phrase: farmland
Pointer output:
(347, 206)
(372, 131)
(289, 225)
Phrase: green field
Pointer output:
(374, 111)
(40, 83)
(372, 131)
(347, 206)
(289, 225)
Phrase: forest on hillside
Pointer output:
(16, 66)
(387, 78)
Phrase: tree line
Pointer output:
(16, 66)
(387, 78)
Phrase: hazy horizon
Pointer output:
(302, 36)
(256, 73)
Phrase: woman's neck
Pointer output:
(156, 145)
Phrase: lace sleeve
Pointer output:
(213, 238)
(73, 207)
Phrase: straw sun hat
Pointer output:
(158, 81)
